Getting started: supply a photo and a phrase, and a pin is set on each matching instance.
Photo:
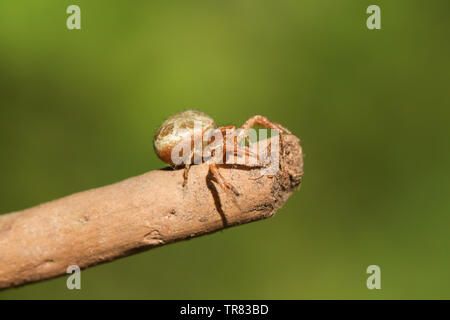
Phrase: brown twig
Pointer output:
(136, 214)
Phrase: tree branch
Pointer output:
(137, 214)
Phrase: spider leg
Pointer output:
(234, 147)
(224, 128)
(187, 166)
(265, 123)
(191, 158)
(224, 185)
(225, 131)
(186, 174)
(251, 158)
(232, 129)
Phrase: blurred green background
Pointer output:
(78, 110)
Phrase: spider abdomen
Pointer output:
(179, 128)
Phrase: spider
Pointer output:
(180, 127)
